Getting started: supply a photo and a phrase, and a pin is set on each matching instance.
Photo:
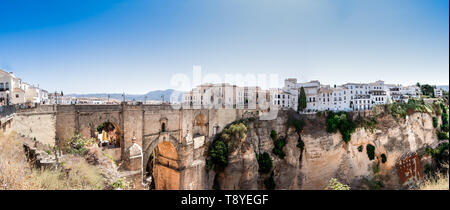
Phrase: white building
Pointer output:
(438, 92)
(14, 91)
(334, 99)
(411, 91)
(283, 99)
(292, 88)
(224, 95)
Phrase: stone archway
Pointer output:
(200, 125)
(111, 133)
(163, 167)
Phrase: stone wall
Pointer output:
(41, 126)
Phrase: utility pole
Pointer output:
(123, 95)
(145, 100)
(108, 98)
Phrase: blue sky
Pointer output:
(85, 46)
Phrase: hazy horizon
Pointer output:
(136, 46)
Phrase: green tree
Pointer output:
(340, 121)
(302, 99)
(219, 153)
(427, 90)
(278, 148)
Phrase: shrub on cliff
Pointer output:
(435, 122)
(340, 121)
(369, 123)
(278, 147)
(360, 148)
(444, 116)
(297, 124)
(375, 183)
(397, 110)
(438, 182)
(234, 134)
(334, 184)
(77, 175)
(218, 151)
(274, 135)
(442, 135)
(77, 145)
(228, 140)
(264, 162)
(440, 153)
(370, 151)
(401, 110)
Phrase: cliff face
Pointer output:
(326, 155)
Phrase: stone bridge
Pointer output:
(155, 140)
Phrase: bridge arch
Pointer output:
(162, 165)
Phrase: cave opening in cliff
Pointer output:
(162, 169)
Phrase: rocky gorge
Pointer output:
(312, 156)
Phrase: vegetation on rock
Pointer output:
(340, 121)
(445, 120)
(442, 135)
(297, 124)
(334, 184)
(401, 110)
(376, 181)
(435, 122)
(367, 123)
(278, 147)
(77, 145)
(218, 151)
(233, 135)
(228, 140)
(264, 162)
(274, 135)
(427, 90)
(17, 174)
(360, 148)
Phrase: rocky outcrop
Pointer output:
(326, 155)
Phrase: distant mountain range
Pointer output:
(157, 95)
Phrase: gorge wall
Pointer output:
(326, 155)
